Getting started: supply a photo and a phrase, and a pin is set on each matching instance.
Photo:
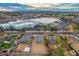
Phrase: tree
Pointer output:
(58, 40)
(46, 41)
(60, 51)
(53, 29)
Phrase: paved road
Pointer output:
(44, 32)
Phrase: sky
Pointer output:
(39, 1)
(27, 2)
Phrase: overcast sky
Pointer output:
(38, 1)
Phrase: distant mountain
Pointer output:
(40, 7)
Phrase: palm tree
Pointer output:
(46, 40)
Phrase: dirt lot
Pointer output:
(38, 48)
